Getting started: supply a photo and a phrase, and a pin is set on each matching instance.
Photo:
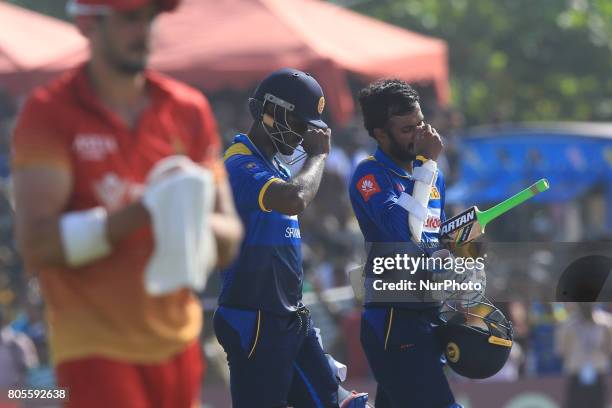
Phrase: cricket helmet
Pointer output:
(290, 92)
(477, 337)
(293, 90)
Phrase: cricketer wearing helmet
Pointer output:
(398, 198)
(274, 356)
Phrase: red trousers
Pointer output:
(102, 383)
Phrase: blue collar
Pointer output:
(386, 161)
(277, 166)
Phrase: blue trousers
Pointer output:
(274, 361)
(406, 358)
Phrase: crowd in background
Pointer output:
(332, 245)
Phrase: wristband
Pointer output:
(84, 236)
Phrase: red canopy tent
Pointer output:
(233, 44)
(33, 45)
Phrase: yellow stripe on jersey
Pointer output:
(237, 148)
(263, 191)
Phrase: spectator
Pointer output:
(17, 357)
(585, 343)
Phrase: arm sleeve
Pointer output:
(440, 186)
(37, 139)
(374, 193)
(250, 179)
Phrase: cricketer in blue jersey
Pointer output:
(398, 336)
(274, 355)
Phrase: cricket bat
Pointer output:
(471, 223)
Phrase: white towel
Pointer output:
(180, 199)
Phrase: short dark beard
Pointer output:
(122, 66)
(129, 68)
(397, 151)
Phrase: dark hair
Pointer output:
(385, 98)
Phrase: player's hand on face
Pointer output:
(428, 142)
(317, 141)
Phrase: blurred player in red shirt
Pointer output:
(82, 149)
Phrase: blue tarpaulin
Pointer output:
(496, 163)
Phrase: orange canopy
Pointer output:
(32, 44)
(233, 44)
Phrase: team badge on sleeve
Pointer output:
(367, 186)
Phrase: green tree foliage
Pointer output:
(517, 60)
(510, 60)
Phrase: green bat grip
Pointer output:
(492, 213)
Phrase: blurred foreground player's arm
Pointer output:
(224, 221)
(293, 197)
(43, 186)
(40, 195)
(226, 225)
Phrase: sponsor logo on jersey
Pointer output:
(94, 147)
(114, 192)
(367, 186)
(292, 232)
(433, 221)
(435, 193)
(458, 221)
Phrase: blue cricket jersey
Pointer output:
(268, 273)
(374, 191)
